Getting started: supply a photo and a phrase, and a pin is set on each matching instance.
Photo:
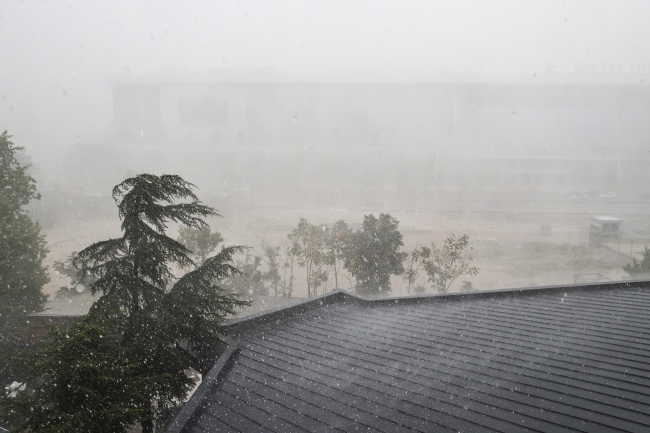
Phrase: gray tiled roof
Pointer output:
(558, 359)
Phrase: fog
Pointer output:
(491, 119)
(56, 54)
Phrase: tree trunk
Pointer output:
(308, 280)
(147, 422)
(147, 426)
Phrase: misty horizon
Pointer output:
(53, 86)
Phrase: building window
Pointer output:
(203, 112)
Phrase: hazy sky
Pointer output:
(54, 55)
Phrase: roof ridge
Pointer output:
(341, 296)
(279, 313)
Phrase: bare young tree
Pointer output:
(308, 240)
(319, 278)
(287, 268)
(335, 243)
(272, 277)
(348, 276)
(414, 264)
(449, 260)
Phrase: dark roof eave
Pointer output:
(235, 327)
(214, 376)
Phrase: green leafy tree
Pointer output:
(167, 324)
(638, 269)
(449, 260)
(308, 241)
(249, 280)
(22, 250)
(373, 254)
(200, 241)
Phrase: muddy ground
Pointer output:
(510, 250)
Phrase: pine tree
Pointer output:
(22, 250)
(82, 378)
(165, 326)
(67, 269)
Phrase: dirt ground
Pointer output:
(509, 249)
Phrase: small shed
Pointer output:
(604, 229)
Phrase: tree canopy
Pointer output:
(22, 250)
(160, 325)
(249, 280)
(66, 268)
(373, 254)
(445, 261)
(89, 379)
(18, 187)
(201, 242)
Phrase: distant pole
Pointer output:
(435, 178)
(618, 160)
(618, 167)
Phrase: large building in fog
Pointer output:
(528, 132)
(533, 116)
